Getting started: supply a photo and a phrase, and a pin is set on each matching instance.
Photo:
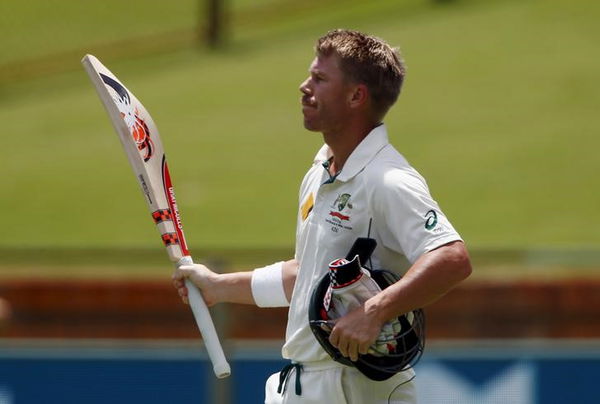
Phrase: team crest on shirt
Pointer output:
(340, 212)
(342, 201)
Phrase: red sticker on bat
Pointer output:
(170, 193)
(161, 215)
(170, 239)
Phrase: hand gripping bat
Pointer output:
(145, 153)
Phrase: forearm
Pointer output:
(430, 277)
(234, 288)
(237, 287)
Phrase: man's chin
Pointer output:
(310, 126)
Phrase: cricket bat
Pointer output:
(142, 144)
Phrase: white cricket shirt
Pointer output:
(378, 190)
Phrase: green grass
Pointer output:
(41, 28)
(498, 112)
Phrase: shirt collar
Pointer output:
(376, 140)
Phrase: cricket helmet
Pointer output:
(406, 343)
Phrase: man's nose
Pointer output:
(304, 86)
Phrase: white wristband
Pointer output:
(267, 286)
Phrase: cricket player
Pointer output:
(358, 186)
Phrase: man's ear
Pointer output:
(359, 96)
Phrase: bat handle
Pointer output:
(206, 326)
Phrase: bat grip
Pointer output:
(206, 326)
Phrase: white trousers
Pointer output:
(340, 384)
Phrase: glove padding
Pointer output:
(351, 286)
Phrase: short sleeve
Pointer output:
(407, 218)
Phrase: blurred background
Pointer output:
(499, 112)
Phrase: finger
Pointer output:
(178, 284)
(183, 294)
(343, 348)
(363, 348)
(338, 341)
(178, 275)
(334, 337)
(186, 270)
(353, 351)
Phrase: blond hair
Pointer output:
(367, 60)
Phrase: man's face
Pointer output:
(325, 96)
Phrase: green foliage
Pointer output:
(498, 113)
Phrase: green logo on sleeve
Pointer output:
(432, 220)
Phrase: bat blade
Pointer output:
(141, 141)
(143, 147)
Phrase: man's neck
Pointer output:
(343, 143)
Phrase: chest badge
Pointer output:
(341, 209)
(342, 201)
